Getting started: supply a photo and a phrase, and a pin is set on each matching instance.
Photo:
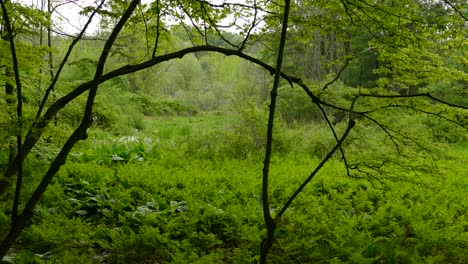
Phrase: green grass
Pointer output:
(184, 190)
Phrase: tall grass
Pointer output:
(187, 190)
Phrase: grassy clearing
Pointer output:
(185, 190)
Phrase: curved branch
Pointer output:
(428, 95)
(213, 24)
(456, 9)
(226, 4)
(337, 76)
(439, 115)
(254, 23)
(37, 128)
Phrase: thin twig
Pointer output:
(64, 61)
(254, 21)
(347, 11)
(456, 9)
(330, 125)
(428, 95)
(439, 115)
(337, 76)
(158, 30)
(212, 23)
(145, 23)
(351, 124)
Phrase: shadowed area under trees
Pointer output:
(234, 132)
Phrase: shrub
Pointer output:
(153, 107)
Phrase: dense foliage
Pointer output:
(176, 119)
(185, 189)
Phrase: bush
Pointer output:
(153, 107)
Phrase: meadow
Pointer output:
(186, 189)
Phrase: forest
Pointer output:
(233, 131)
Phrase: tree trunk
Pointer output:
(10, 100)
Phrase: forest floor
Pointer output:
(187, 190)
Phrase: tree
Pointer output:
(400, 36)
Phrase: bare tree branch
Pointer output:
(330, 125)
(456, 9)
(226, 4)
(427, 95)
(254, 21)
(145, 23)
(211, 22)
(64, 61)
(347, 11)
(337, 76)
(439, 115)
(376, 7)
(351, 124)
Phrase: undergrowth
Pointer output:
(190, 193)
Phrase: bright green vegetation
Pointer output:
(152, 139)
(186, 190)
